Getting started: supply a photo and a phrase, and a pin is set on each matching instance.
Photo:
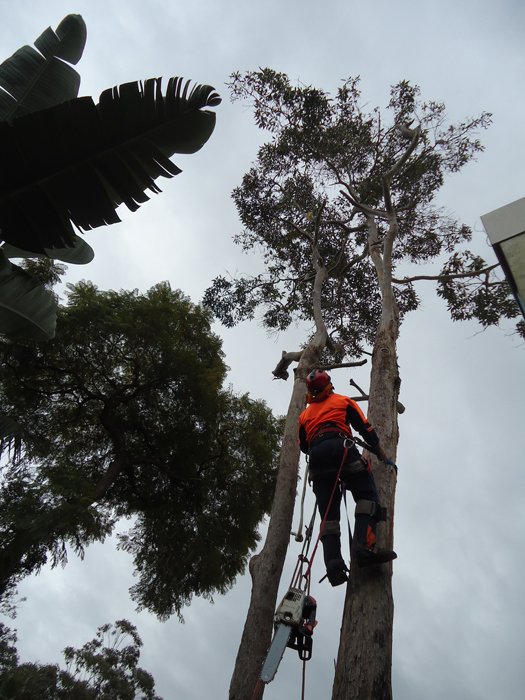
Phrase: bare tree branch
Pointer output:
(344, 364)
(400, 407)
(445, 278)
(318, 222)
(363, 208)
(343, 225)
(387, 177)
(336, 348)
(374, 246)
(350, 263)
(300, 230)
(280, 372)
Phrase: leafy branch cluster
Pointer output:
(319, 179)
(124, 414)
(483, 296)
(106, 668)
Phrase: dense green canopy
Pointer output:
(103, 669)
(124, 414)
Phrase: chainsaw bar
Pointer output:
(275, 652)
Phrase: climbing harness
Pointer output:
(349, 442)
(294, 619)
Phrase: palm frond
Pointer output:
(27, 309)
(77, 162)
(81, 253)
(31, 80)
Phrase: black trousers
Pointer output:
(324, 461)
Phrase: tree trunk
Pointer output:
(266, 567)
(364, 663)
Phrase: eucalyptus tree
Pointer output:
(358, 187)
(67, 163)
(106, 668)
(124, 415)
(266, 566)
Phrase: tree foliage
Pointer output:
(342, 203)
(124, 415)
(106, 668)
(68, 163)
(319, 179)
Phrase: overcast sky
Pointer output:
(460, 514)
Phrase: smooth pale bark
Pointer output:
(266, 567)
(364, 660)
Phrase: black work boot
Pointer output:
(369, 556)
(336, 572)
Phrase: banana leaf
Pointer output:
(80, 254)
(77, 162)
(27, 309)
(34, 80)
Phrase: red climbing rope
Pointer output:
(304, 681)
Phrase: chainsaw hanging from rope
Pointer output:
(294, 619)
(294, 625)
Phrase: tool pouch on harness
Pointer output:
(371, 508)
(327, 450)
(359, 465)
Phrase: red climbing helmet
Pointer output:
(316, 381)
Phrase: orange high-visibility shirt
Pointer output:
(337, 409)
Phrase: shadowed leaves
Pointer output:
(123, 414)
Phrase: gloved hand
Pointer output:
(381, 454)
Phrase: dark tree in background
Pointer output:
(103, 669)
(358, 187)
(124, 415)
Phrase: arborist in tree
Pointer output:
(325, 436)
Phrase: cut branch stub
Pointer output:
(400, 407)
(365, 397)
(343, 365)
(281, 371)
